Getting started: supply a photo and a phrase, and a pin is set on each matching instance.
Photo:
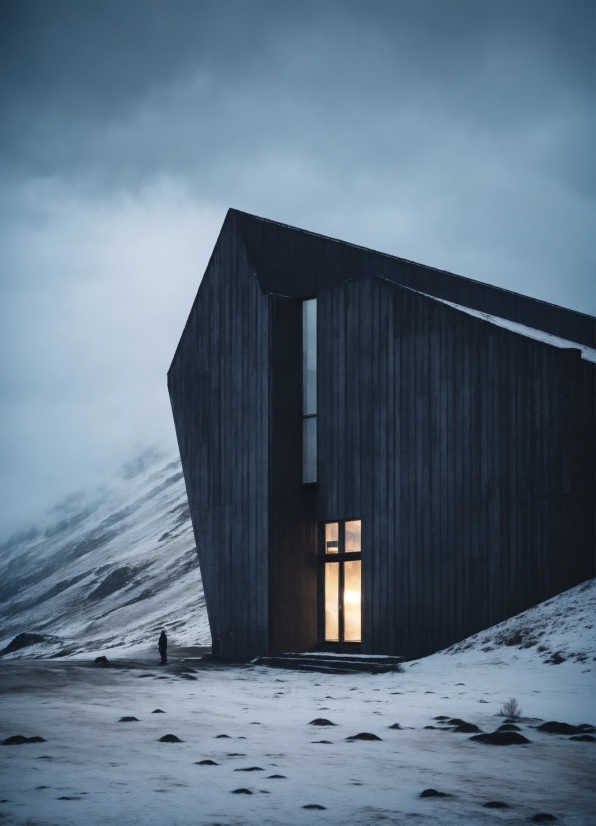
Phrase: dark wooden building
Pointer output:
(379, 456)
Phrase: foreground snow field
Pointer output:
(110, 569)
(93, 769)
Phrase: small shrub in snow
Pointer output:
(511, 709)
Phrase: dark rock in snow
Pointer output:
(553, 727)
(22, 641)
(103, 661)
(157, 711)
(584, 738)
(250, 769)
(170, 738)
(326, 742)
(501, 738)
(115, 581)
(434, 728)
(66, 797)
(455, 721)
(433, 793)
(19, 740)
(587, 727)
(242, 791)
(466, 728)
(128, 720)
(314, 806)
(321, 721)
(395, 726)
(509, 727)
(441, 717)
(206, 763)
(495, 804)
(219, 736)
(543, 817)
(364, 735)
(236, 754)
(276, 777)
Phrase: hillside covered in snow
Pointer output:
(252, 745)
(556, 631)
(109, 571)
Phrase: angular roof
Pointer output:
(297, 263)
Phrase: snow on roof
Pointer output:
(587, 353)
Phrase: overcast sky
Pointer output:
(457, 134)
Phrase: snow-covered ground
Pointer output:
(94, 769)
(111, 568)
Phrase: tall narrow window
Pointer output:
(309, 390)
(342, 574)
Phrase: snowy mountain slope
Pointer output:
(560, 629)
(113, 569)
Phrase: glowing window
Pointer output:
(342, 585)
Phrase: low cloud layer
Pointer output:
(456, 134)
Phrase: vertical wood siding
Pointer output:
(219, 389)
(297, 263)
(458, 444)
(466, 449)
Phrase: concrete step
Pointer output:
(332, 663)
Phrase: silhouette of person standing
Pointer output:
(163, 647)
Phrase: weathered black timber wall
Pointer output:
(292, 505)
(297, 263)
(219, 389)
(456, 442)
(466, 449)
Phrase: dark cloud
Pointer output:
(278, 71)
(459, 134)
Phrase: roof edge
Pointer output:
(427, 267)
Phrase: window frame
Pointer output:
(340, 556)
(308, 411)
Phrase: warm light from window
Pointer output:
(352, 600)
(331, 538)
(343, 581)
(332, 602)
(353, 536)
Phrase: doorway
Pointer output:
(341, 586)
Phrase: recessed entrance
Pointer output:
(341, 573)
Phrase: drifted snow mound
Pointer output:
(558, 630)
(109, 572)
